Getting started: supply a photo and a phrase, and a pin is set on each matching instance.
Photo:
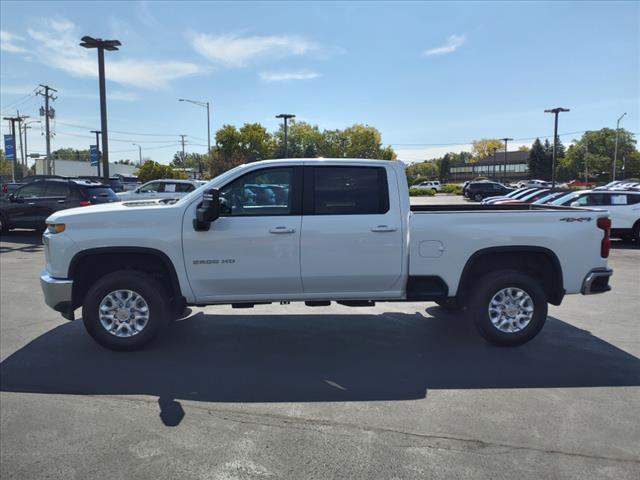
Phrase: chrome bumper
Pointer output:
(57, 294)
(596, 281)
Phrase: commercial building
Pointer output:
(515, 167)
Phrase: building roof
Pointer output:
(515, 157)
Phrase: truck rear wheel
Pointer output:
(125, 310)
(508, 308)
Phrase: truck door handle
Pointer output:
(383, 228)
(31, 203)
(60, 201)
(281, 230)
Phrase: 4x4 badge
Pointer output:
(575, 219)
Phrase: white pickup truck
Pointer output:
(317, 231)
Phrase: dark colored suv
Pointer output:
(480, 190)
(31, 204)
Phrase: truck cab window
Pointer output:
(350, 191)
(263, 192)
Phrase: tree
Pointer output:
(71, 154)
(423, 171)
(597, 148)
(444, 165)
(538, 160)
(5, 165)
(485, 147)
(151, 170)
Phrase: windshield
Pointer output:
(566, 198)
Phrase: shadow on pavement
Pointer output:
(313, 358)
(21, 241)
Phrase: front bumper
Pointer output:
(596, 281)
(57, 294)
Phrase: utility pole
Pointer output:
(506, 141)
(615, 151)
(139, 153)
(101, 46)
(556, 112)
(23, 159)
(285, 117)
(183, 154)
(12, 131)
(48, 114)
(98, 132)
(26, 151)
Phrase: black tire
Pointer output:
(153, 293)
(492, 283)
(636, 232)
(434, 191)
(477, 197)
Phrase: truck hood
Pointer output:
(121, 210)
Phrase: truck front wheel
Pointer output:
(125, 310)
(508, 308)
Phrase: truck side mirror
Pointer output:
(208, 211)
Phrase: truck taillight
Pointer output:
(85, 203)
(605, 245)
(5, 188)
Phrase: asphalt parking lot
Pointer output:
(396, 391)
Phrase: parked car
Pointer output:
(8, 187)
(532, 197)
(344, 232)
(429, 185)
(479, 190)
(30, 205)
(533, 184)
(623, 207)
(161, 189)
(114, 182)
(621, 185)
(517, 193)
(129, 182)
(580, 184)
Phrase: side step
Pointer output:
(317, 303)
(357, 303)
(248, 305)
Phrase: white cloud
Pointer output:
(234, 51)
(453, 43)
(57, 45)
(8, 42)
(286, 76)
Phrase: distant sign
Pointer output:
(94, 155)
(9, 148)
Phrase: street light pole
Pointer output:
(102, 45)
(615, 151)
(139, 153)
(204, 105)
(506, 141)
(26, 152)
(556, 112)
(285, 117)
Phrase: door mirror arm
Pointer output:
(208, 211)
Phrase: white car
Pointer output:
(317, 231)
(623, 207)
(533, 184)
(430, 185)
(161, 189)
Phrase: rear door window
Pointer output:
(184, 187)
(347, 191)
(100, 193)
(55, 189)
(35, 189)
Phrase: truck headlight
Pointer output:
(55, 227)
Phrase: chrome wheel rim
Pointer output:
(123, 313)
(511, 310)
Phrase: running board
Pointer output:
(357, 303)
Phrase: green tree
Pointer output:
(538, 158)
(151, 170)
(71, 154)
(597, 148)
(444, 166)
(304, 140)
(5, 165)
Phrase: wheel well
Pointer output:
(87, 267)
(540, 263)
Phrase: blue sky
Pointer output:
(424, 74)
